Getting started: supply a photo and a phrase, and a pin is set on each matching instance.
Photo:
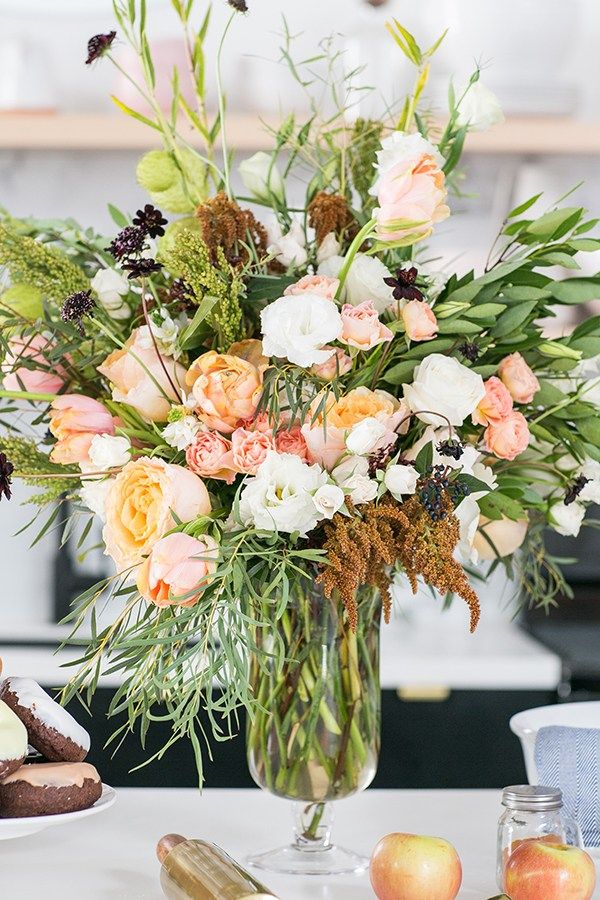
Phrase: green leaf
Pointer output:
(456, 150)
(548, 225)
(484, 310)
(589, 429)
(117, 216)
(512, 318)
(469, 291)
(496, 505)
(474, 484)
(401, 373)
(587, 245)
(557, 258)
(589, 346)
(424, 458)
(576, 290)
(190, 332)
(523, 207)
(134, 115)
(438, 345)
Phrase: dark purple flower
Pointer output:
(99, 45)
(404, 284)
(76, 306)
(128, 242)
(150, 220)
(574, 490)
(141, 267)
(451, 448)
(6, 470)
(238, 5)
(469, 351)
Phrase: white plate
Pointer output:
(19, 827)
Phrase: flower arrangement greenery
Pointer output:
(254, 409)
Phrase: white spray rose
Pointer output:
(566, 518)
(329, 247)
(297, 327)
(290, 249)
(111, 287)
(364, 280)
(443, 385)
(93, 493)
(400, 480)
(352, 474)
(181, 434)
(108, 451)
(328, 499)
(262, 178)
(165, 331)
(467, 513)
(479, 109)
(365, 435)
(280, 496)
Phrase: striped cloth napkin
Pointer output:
(569, 759)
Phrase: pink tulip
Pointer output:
(49, 378)
(411, 196)
(74, 420)
(177, 569)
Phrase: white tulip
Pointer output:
(262, 178)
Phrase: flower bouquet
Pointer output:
(279, 409)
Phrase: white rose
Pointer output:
(181, 434)
(328, 499)
(329, 246)
(443, 385)
(566, 518)
(111, 286)
(364, 280)
(290, 249)
(479, 109)
(398, 147)
(93, 492)
(400, 480)
(352, 474)
(297, 327)
(280, 496)
(365, 435)
(262, 178)
(467, 513)
(108, 451)
(591, 490)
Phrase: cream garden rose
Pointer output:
(441, 384)
(142, 503)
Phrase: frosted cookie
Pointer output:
(13, 741)
(51, 729)
(48, 789)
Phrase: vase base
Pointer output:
(292, 860)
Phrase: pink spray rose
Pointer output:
(314, 284)
(146, 500)
(508, 437)
(411, 189)
(250, 448)
(226, 388)
(48, 379)
(338, 364)
(518, 378)
(74, 421)
(496, 404)
(419, 320)
(177, 565)
(292, 441)
(361, 326)
(209, 455)
(139, 380)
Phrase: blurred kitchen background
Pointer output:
(65, 150)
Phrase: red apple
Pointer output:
(537, 869)
(415, 867)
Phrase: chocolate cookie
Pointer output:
(51, 729)
(48, 789)
(13, 741)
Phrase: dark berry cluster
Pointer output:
(469, 351)
(451, 448)
(431, 488)
(76, 306)
(457, 491)
(404, 284)
(98, 45)
(150, 220)
(575, 489)
(6, 470)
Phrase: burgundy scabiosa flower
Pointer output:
(150, 220)
(404, 284)
(98, 45)
(238, 5)
(6, 470)
(76, 306)
(128, 242)
(141, 267)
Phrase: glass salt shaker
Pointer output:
(533, 812)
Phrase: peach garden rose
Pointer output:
(209, 455)
(419, 320)
(226, 389)
(518, 378)
(361, 327)
(177, 569)
(314, 284)
(508, 437)
(496, 404)
(145, 501)
(249, 449)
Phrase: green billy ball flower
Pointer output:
(176, 186)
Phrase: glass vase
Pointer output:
(314, 734)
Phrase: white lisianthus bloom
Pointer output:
(364, 280)
(400, 480)
(111, 287)
(479, 109)
(352, 474)
(328, 499)
(365, 435)
(290, 249)
(297, 327)
(329, 247)
(467, 513)
(443, 385)
(398, 147)
(181, 434)
(280, 497)
(262, 178)
(93, 492)
(591, 490)
(109, 451)
(566, 518)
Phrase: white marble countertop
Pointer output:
(111, 855)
